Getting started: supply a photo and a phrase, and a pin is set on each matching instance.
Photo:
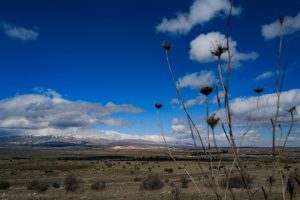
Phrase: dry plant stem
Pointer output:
(223, 165)
(227, 137)
(214, 181)
(190, 121)
(286, 139)
(241, 170)
(183, 105)
(282, 184)
(228, 114)
(240, 143)
(280, 136)
(193, 136)
(173, 158)
(222, 124)
(282, 150)
(275, 121)
(208, 139)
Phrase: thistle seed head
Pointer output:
(206, 90)
(258, 90)
(166, 46)
(213, 121)
(219, 50)
(158, 105)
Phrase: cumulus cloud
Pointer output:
(189, 103)
(272, 30)
(175, 101)
(181, 130)
(244, 109)
(197, 79)
(196, 101)
(200, 12)
(48, 110)
(19, 32)
(201, 46)
(264, 76)
(221, 95)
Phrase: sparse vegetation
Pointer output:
(56, 185)
(175, 192)
(184, 182)
(72, 183)
(4, 185)
(152, 182)
(37, 186)
(169, 170)
(293, 185)
(236, 181)
(98, 185)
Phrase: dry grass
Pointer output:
(119, 182)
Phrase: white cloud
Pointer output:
(182, 133)
(198, 79)
(196, 101)
(181, 130)
(114, 122)
(189, 103)
(201, 12)
(201, 46)
(48, 110)
(175, 101)
(221, 95)
(264, 76)
(19, 32)
(244, 109)
(271, 31)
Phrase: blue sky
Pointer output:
(95, 52)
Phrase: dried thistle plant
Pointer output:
(206, 90)
(213, 121)
(258, 90)
(219, 49)
(166, 46)
(158, 105)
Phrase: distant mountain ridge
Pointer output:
(69, 141)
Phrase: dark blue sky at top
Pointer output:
(109, 50)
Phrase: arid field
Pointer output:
(120, 172)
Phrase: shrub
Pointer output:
(169, 170)
(108, 165)
(72, 183)
(175, 193)
(37, 186)
(4, 185)
(98, 185)
(236, 181)
(152, 182)
(171, 184)
(55, 185)
(137, 179)
(184, 182)
(293, 184)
